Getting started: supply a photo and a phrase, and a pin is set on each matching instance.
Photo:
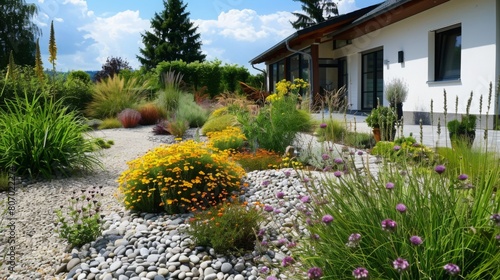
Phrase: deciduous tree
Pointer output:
(173, 37)
(111, 67)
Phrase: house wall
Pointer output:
(414, 36)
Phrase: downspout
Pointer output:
(265, 75)
(310, 72)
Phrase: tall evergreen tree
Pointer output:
(316, 11)
(38, 62)
(17, 32)
(173, 37)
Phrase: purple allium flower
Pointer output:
(338, 161)
(327, 219)
(314, 273)
(308, 213)
(264, 270)
(451, 269)
(497, 237)
(463, 177)
(291, 245)
(337, 174)
(305, 199)
(328, 168)
(496, 219)
(306, 179)
(360, 153)
(315, 236)
(282, 241)
(440, 169)
(287, 173)
(389, 186)
(354, 240)
(280, 195)
(309, 222)
(400, 264)
(268, 208)
(416, 240)
(401, 207)
(397, 148)
(265, 183)
(322, 125)
(277, 211)
(325, 156)
(271, 278)
(264, 243)
(287, 261)
(261, 232)
(360, 273)
(389, 225)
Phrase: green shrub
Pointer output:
(100, 143)
(185, 176)
(219, 123)
(360, 140)
(177, 127)
(76, 94)
(190, 111)
(226, 228)
(276, 126)
(82, 223)
(113, 95)
(42, 138)
(109, 123)
(406, 149)
(79, 75)
(417, 214)
(334, 131)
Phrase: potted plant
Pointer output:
(383, 122)
(396, 92)
(463, 131)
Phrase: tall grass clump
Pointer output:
(276, 125)
(190, 111)
(41, 137)
(181, 177)
(407, 222)
(113, 95)
(219, 123)
(168, 98)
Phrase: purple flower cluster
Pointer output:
(397, 148)
(337, 174)
(400, 264)
(416, 240)
(360, 273)
(287, 261)
(325, 156)
(440, 169)
(389, 186)
(401, 207)
(265, 183)
(463, 177)
(354, 240)
(496, 219)
(305, 199)
(451, 269)
(327, 219)
(314, 273)
(271, 278)
(322, 125)
(268, 208)
(389, 225)
(338, 161)
(280, 195)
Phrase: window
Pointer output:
(448, 49)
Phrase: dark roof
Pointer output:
(382, 8)
(349, 17)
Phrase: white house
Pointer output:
(433, 45)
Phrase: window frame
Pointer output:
(446, 68)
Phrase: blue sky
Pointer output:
(233, 31)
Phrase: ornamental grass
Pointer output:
(178, 178)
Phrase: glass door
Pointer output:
(372, 79)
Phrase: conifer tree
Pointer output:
(38, 62)
(173, 37)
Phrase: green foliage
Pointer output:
(334, 131)
(227, 228)
(383, 118)
(161, 44)
(113, 95)
(82, 223)
(76, 93)
(42, 138)
(359, 140)
(185, 176)
(315, 12)
(396, 91)
(79, 75)
(24, 83)
(219, 123)
(168, 100)
(19, 32)
(100, 143)
(406, 150)
(177, 127)
(109, 123)
(450, 215)
(4, 181)
(276, 125)
(193, 113)
(231, 76)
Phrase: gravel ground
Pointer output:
(38, 248)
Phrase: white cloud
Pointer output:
(346, 6)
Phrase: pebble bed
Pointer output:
(140, 246)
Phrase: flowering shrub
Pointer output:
(260, 160)
(129, 118)
(181, 177)
(411, 222)
(226, 228)
(229, 138)
(285, 88)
